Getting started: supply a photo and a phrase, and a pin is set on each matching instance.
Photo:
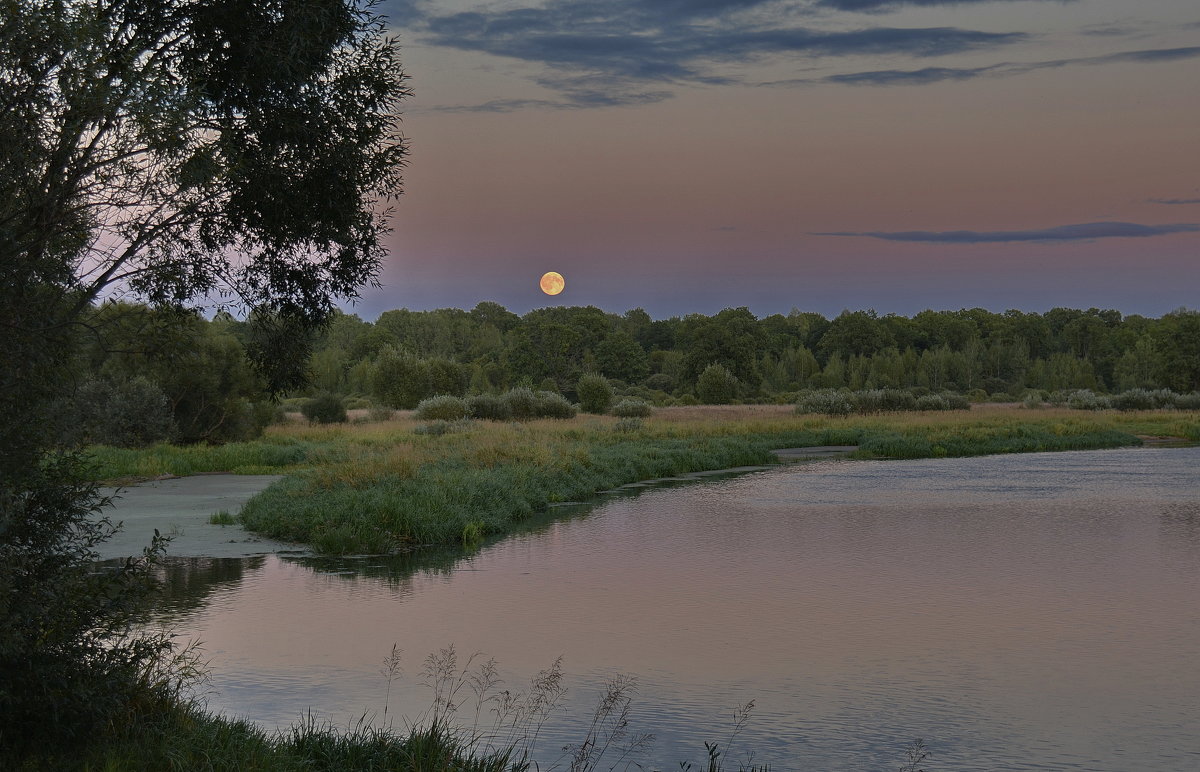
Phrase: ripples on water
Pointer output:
(1018, 612)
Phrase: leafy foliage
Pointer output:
(70, 659)
(632, 408)
(130, 414)
(595, 395)
(716, 385)
(445, 407)
(325, 409)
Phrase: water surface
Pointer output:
(1037, 611)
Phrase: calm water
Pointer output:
(1018, 612)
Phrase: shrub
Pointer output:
(74, 659)
(824, 402)
(488, 407)
(1188, 401)
(553, 405)
(632, 408)
(358, 403)
(521, 403)
(1086, 399)
(716, 385)
(595, 395)
(882, 401)
(399, 381)
(380, 413)
(628, 425)
(1133, 399)
(129, 414)
(932, 402)
(444, 407)
(268, 414)
(324, 409)
(955, 401)
(659, 382)
(687, 399)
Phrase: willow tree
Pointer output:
(171, 152)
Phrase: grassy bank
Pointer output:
(379, 487)
(185, 738)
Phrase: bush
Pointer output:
(595, 395)
(443, 407)
(380, 413)
(268, 414)
(628, 425)
(126, 414)
(325, 409)
(955, 401)
(488, 407)
(716, 386)
(1133, 399)
(521, 403)
(659, 382)
(882, 401)
(74, 659)
(553, 405)
(824, 402)
(932, 402)
(1086, 399)
(632, 408)
(1188, 401)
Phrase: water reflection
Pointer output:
(1043, 623)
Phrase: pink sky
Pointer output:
(679, 160)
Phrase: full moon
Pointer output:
(552, 283)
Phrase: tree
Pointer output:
(716, 385)
(169, 151)
(176, 149)
(620, 356)
(731, 338)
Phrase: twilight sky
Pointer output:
(691, 155)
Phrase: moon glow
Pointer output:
(552, 283)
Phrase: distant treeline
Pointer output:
(202, 369)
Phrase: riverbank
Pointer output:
(403, 484)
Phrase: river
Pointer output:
(1036, 611)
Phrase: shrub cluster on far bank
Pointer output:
(519, 404)
(1132, 399)
(868, 401)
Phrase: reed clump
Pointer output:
(383, 487)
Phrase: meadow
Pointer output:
(402, 484)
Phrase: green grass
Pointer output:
(183, 737)
(222, 518)
(383, 487)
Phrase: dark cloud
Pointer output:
(909, 77)
(603, 53)
(878, 6)
(929, 75)
(624, 44)
(1174, 200)
(1082, 232)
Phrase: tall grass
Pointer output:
(475, 723)
(384, 487)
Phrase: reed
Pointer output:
(382, 487)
